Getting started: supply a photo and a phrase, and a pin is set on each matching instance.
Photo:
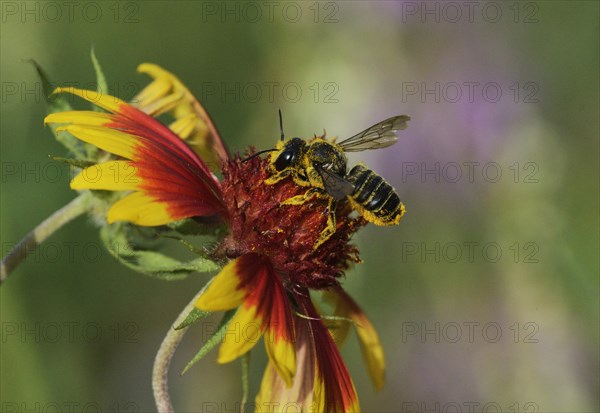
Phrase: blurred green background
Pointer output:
(485, 296)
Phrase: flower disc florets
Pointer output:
(286, 234)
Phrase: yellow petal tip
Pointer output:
(201, 304)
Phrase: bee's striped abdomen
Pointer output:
(375, 199)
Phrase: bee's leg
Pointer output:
(331, 204)
(278, 177)
(331, 224)
(301, 199)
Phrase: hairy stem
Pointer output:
(160, 371)
(49, 226)
(245, 380)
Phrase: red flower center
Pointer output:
(285, 233)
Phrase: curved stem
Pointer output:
(245, 380)
(46, 228)
(163, 358)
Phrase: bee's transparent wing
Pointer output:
(335, 185)
(380, 135)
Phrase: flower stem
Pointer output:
(163, 358)
(245, 379)
(48, 227)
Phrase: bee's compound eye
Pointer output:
(284, 160)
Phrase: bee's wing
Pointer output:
(380, 135)
(335, 185)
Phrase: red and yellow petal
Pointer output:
(227, 291)
(128, 119)
(271, 300)
(333, 389)
(167, 94)
(157, 97)
(280, 346)
(275, 395)
(368, 338)
(140, 209)
(243, 332)
(251, 283)
(109, 140)
(322, 382)
(167, 174)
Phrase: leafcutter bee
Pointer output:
(321, 165)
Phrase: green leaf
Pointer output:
(120, 239)
(56, 103)
(183, 242)
(59, 103)
(215, 339)
(101, 84)
(194, 315)
(199, 226)
(76, 163)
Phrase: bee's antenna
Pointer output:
(281, 125)
(268, 150)
(254, 155)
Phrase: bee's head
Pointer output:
(289, 152)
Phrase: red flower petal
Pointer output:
(333, 389)
(252, 280)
